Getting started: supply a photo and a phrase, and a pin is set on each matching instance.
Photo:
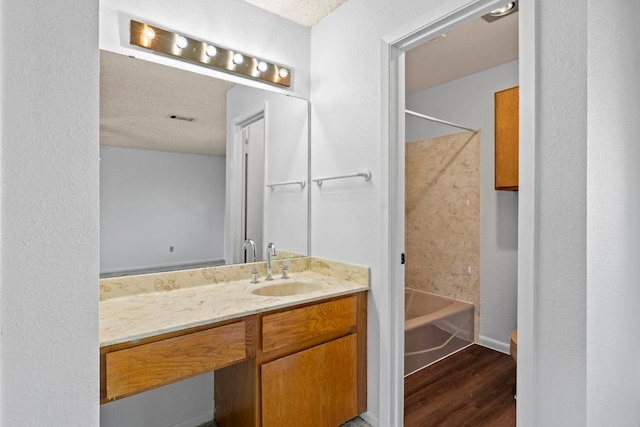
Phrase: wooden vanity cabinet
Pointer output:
(506, 139)
(297, 366)
(310, 369)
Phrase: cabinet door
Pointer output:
(313, 388)
(506, 139)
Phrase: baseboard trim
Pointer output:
(496, 345)
(200, 419)
(370, 418)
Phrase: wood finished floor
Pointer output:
(470, 388)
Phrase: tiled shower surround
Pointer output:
(442, 217)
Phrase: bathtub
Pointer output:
(435, 327)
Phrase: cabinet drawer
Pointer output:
(290, 327)
(150, 365)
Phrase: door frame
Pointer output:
(234, 203)
(393, 47)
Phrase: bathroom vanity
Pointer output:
(286, 352)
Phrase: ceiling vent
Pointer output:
(183, 118)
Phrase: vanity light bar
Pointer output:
(204, 53)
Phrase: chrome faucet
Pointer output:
(271, 251)
(251, 243)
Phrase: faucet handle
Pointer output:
(254, 275)
(285, 271)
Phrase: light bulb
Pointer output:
(148, 33)
(237, 59)
(182, 42)
(283, 73)
(211, 51)
(262, 66)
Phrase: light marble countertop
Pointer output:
(132, 317)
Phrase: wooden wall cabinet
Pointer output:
(506, 139)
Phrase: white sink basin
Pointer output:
(286, 289)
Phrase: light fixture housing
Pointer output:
(208, 54)
(501, 12)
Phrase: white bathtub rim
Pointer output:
(455, 307)
(437, 295)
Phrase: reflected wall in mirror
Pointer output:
(186, 161)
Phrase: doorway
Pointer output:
(253, 185)
(460, 228)
(393, 233)
(245, 198)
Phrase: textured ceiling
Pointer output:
(303, 12)
(137, 97)
(467, 49)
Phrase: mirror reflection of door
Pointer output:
(253, 187)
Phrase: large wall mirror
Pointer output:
(192, 166)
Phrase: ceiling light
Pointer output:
(207, 54)
(211, 51)
(501, 12)
(148, 33)
(182, 42)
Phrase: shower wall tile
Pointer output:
(442, 217)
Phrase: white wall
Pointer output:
(613, 214)
(552, 288)
(49, 230)
(469, 101)
(346, 136)
(230, 23)
(151, 200)
(345, 133)
(286, 159)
